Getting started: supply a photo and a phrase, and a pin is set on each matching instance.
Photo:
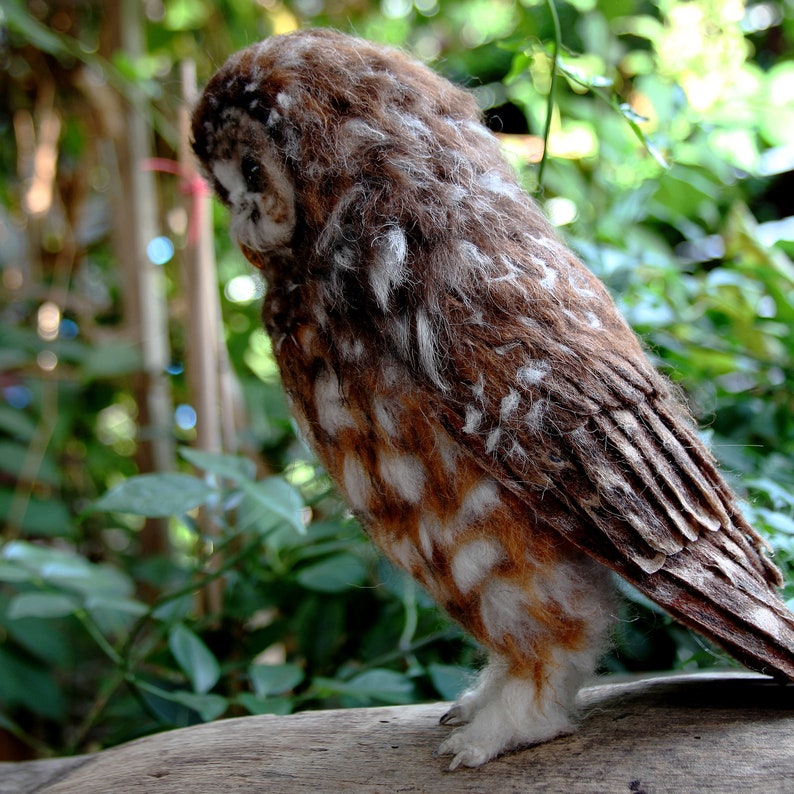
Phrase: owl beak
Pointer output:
(256, 258)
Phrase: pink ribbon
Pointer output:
(191, 184)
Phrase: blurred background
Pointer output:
(171, 553)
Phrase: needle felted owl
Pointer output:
(468, 384)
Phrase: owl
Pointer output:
(468, 384)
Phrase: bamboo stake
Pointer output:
(201, 285)
(206, 346)
(144, 293)
(151, 287)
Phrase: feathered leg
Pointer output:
(540, 655)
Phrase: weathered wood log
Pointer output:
(721, 733)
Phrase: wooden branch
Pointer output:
(713, 732)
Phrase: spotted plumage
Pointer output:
(467, 383)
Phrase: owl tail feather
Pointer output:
(723, 584)
(670, 525)
(707, 591)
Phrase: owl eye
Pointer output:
(253, 175)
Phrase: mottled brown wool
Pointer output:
(468, 384)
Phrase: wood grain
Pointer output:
(716, 732)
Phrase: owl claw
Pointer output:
(470, 757)
(453, 715)
(454, 763)
(466, 751)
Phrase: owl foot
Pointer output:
(490, 734)
(502, 713)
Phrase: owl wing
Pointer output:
(565, 410)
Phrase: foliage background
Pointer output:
(668, 167)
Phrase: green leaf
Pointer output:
(93, 580)
(634, 120)
(48, 517)
(255, 704)
(13, 573)
(128, 606)
(208, 706)
(39, 35)
(56, 649)
(194, 657)
(31, 686)
(521, 64)
(17, 424)
(274, 679)
(232, 467)
(174, 609)
(777, 521)
(279, 498)
(155, 495)
(449, 680)
(386, 686)
(42, 605)
(13, 458)
(777, 109)
(114, 616)
(584, 79)
(779, 496)
(184, 15)
(334, 574)
(66, 569)
(32, 556)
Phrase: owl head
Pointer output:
(234, 139)
(317, 136)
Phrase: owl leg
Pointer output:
(504, 712)
(526, 694)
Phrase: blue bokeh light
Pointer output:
(17, 396)
(68, 329)
(160, 250)
(185, 417)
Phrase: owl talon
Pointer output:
(467, 759)
(467, 751)
(454, 715)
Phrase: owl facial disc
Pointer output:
(254, 184)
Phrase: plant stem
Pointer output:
(125, 653)
(97, 707)
(552, 87)
(123, 658)
(399, 653)
(99, 638)
(411, 614)
(43, 750)
(34, 457)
